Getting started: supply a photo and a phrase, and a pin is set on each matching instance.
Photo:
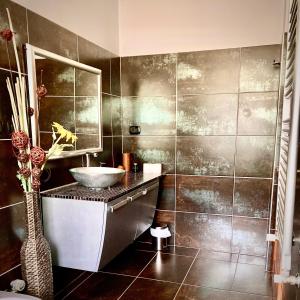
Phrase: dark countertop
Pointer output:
(76, 191)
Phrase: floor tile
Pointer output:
(171, 249)
(210, 273)
(222, 256)
(151, 290)
(252, 260)
(102, 286)
(252, 279)
(129, 262)
(168, 267)
(187, 292)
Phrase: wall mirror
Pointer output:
(73, 99)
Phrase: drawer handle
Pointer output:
(119, 205)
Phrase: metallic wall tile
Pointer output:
(95, 56)
(204, 194)
(18, 16)
(166, 193)
(10, 189)
(152, 150)
(6, 127)
(50, 36)
(86, 141)
(215, 71)
(255, 156)
(207, 114)
(205, 155)
(203, 231)
(155, 115)
(252, 197)
(257, 113)
(249, 236)
(257, 71)
(12, 232)
(116, 76)
(151, 75)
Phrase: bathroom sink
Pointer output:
(97, 177)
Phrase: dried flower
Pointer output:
(25, 172)
(6, 34)
(23, 157)
(20, 139)
(35, 184)
(37, 156)
(30, 111)
(36, 172)
(41, 91)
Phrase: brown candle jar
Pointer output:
(127, 161)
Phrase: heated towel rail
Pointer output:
(287, 170)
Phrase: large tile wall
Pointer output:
(40, 32)
(210, 118)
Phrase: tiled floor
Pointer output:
(139, 273)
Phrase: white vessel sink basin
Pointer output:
(97, 177)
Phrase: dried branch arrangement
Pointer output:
(31, 160)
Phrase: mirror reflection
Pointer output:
(70, 96)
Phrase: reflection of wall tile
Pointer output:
(204, 194)
(214, 71)
(97, 57)
(50, 36)
(117, 150)
(252, 197)
(86, 141)
(166, 217)
(86, 83)
(111, 115)
(254, 156)
(205, 155)
(60, 110)
(56, 76)
(257, 113)
(12, 233)
(152, 150)
(207, 114)
(116, 115)
(151, 75)
(10, 189)
(18, 16)
(106, 115)
(166, 194)
(86, 115)
(249, 236)
(6, 127)
(115, 76)
(155, 115)
(257, 72)
(203, 231)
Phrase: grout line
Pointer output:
(11, 205)
(10, 270)
(186, 274)
(59, 292)
(164, 253)
(159, 280)
(77, 286)
(114, 273)
(137, 276)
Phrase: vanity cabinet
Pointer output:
(88, 234)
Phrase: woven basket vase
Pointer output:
(35, 252)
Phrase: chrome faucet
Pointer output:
(88, 158)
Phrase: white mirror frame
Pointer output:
(31, 53)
